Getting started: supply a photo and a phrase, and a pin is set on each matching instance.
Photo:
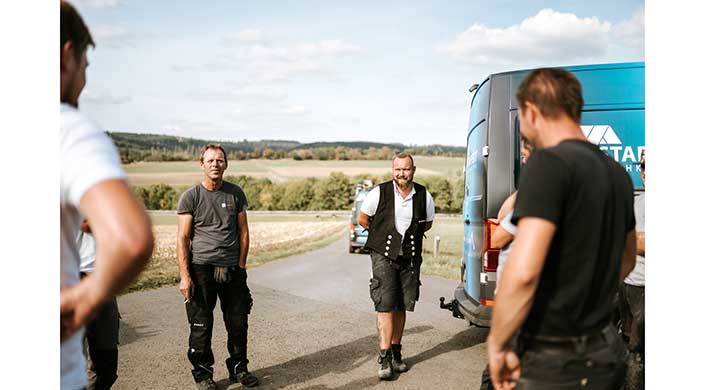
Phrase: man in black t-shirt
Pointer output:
(212, 245)
(575, 243)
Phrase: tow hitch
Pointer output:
(453, 307)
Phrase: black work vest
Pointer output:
(383, 237)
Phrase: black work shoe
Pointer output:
(244, 377)
(385, 370)
(206, 384)
(397, 364)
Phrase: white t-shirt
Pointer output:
(636, 277)
(511, 228)
(403, 208)
(86, 251)
(88, 157)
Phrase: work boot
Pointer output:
(206, 384)
(397, 364)
(244, 377)
(385, 370)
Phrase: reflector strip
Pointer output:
(487, 302)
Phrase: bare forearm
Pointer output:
(182, 255)
(363, 220)
(629, 255)
(640, 244)
(244, 246)
(116, 267)
(512, 304)
(500, 238)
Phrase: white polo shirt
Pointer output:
(403, 208)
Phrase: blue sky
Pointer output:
(326, 70)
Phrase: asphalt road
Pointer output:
(312, 327)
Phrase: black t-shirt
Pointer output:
(215, 237)
(589, 197)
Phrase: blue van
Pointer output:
(612, 117)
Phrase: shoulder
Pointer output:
(419, 187)
(232, 187)
(190, 193)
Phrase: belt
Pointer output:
(574, 344)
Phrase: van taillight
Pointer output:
(490, 257)
(352, 227)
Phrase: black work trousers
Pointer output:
(235, 303)
(596, 364)
(102, 342)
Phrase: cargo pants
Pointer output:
(235, 303)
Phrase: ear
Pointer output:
(532, 114)
(68, 56)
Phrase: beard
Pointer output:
(402, 183)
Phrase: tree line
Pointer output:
(150, 147)
(335, 192)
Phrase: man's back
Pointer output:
(589, 198)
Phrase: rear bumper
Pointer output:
(476, 313)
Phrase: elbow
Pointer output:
(526, 279)
(141, 249)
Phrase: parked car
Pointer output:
(358, 234)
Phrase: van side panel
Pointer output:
(475, 195)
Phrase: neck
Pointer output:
(559, 130)
(404, 190)
(211, 184)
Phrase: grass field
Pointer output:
(447, 264)
(183, 173)
(270, 240)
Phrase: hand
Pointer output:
(242, 265)
(505, 367)
(185, 287)
(79, 304)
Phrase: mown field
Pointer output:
(271, 239)
(182, 173)
(447, 264)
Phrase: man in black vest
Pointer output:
(575, 243)
(396, 213)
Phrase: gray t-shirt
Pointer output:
(215, 237)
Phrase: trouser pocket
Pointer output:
(375, 291)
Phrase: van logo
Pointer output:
(601, 135)
(606, 138)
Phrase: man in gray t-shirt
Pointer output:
(212, 245)
(215, 237)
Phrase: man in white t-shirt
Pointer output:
(92, 187)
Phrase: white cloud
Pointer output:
(631, 32)
(250, 93)
(113, 36)
(280, 63)
(244, 36)
(547, 37)
(97, 3)
(103, 98)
